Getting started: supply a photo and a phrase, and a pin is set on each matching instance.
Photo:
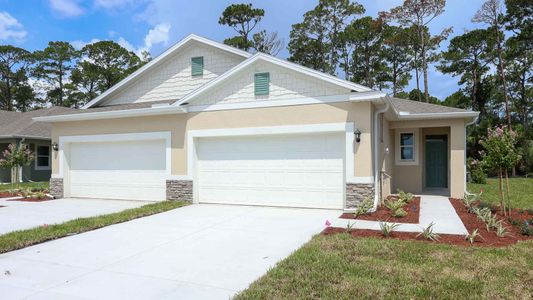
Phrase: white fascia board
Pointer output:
(445, 115)
(113, 114)
(155, 61)
(283, 63)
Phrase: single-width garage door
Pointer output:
(118, 170)
(282, 170)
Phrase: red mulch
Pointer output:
(7, 195)
(490, 238)
(32, 199)
(383, 214)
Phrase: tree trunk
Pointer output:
(508, 193)
(502, 203)
(424, 64)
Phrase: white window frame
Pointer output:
(398, 155)
(43, 168)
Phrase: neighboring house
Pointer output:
(213, 124)
(19, 127)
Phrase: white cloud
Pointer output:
(78, 44)
(159, 34)
(67, 8)
(10, 28)
(108, 4)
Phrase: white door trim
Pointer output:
(65, 141)
(347, 127)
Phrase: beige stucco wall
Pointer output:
(284, 84)
(387, 158)
(359, 113)
(411, 178)
(172, 79)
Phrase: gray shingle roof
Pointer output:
(21, 124)
(416, 107)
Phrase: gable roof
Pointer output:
(279, 62)
(22, 125)
(409, 109)
(156, 61)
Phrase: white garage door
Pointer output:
(118, 170)
(288, 170)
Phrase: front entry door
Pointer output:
(436, 161)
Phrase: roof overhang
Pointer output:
(141, 112)
(25, 137)
(159, 59)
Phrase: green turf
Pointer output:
(24, 238)
(24, 185)
(342, 267)
(521, 191)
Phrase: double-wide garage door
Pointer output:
(284, 170)
(118, 170)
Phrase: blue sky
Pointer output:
(155, 25)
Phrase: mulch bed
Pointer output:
(32, 199)
(7, 195)
(490, 238)
(383, 214)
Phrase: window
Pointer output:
(407, 148)
(262, 84)
(197, 66)
(42, 157)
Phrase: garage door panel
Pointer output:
(289, 170)
(133, 170)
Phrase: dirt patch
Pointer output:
(32, 199)
(383, 214)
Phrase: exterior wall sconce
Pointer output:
(357, 134)
(55, 147)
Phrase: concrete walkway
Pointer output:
(436, 209)
(18, 215)
(195, 252)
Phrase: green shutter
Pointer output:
(262, 83)
(197, 66)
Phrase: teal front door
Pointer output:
(436, 161)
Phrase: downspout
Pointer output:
(377, 152)
(466, 125)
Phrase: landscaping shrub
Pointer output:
(364, 207)
(471, 237)
(477, 175)
(405, 197)
(527, 228)
(399, 213)
(387, 229)
(428, 233)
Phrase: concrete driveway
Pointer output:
(17, 215)
(195, 252)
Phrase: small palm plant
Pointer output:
(387, 228)
(501, 230)
(471, 237)
(428, 233)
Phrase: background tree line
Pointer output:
(384, 52)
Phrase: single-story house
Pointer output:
(209, 123)
(19, 127)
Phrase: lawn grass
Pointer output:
(24, 238)
(521, 191)
(342, 267)
(24, 185)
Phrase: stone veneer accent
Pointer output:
(56, 187)
(356, 192)
(179, 190)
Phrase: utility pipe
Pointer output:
(377, 152)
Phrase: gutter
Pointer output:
(377, 176)
(24, 137)
(466, 125)
(141, 112)
(402, 115)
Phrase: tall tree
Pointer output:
(14, 66)
(398, 54)
(467, 57)
(54, 64)
(364, 62)
(316, 42)
(110, 61)
(268, 43)
(243, 18)
(490, 13)
(419, 13)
